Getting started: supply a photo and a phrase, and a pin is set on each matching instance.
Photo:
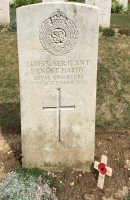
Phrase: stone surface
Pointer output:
(124, 3)
(58, 67)
(4, 12)
(104, 11)
(92, 2)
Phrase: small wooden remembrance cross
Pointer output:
(59, 107)
(103, 170)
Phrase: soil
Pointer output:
(70, 185)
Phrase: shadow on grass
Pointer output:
(10, 116)
(10, 128)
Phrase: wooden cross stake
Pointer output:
(103, 170)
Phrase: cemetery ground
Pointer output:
(112, 118)
(121, 19)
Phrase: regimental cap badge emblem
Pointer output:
(58, 34)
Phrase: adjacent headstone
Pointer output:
(104, 11)
(92, 2)
(124, 3)
(58, 47)
(4, 12)
(103, 170)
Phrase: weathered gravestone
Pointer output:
(124, 3)
(58, 46)
(104, 11)
(4, 12)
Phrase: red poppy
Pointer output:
(102, 168)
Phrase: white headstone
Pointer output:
(104, 11)
(58, 47)
(124, 3)
(4, 12)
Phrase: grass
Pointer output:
(121, 20)
(35, 172)
(113, 94)
(9, 80)
(13, 13)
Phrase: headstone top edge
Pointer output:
(62, 3)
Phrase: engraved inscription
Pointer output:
(56, 72)
(58, 34)
(59, 107)
(59, 146)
